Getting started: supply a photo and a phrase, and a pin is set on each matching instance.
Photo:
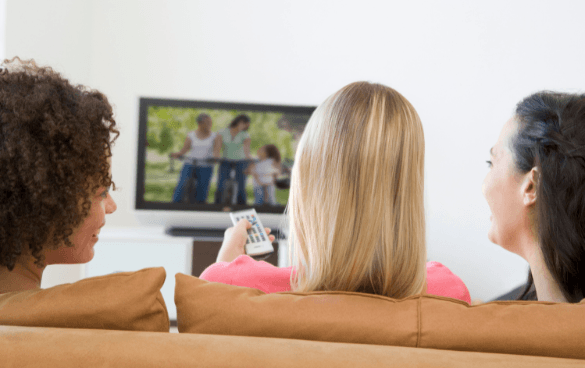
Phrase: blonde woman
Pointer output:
(356, 209)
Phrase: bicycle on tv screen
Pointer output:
(216, 156)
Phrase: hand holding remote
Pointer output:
(234, 241)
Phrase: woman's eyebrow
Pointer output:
(492, 151)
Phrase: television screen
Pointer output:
(216, 156)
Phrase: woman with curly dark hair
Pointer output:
(55, 149)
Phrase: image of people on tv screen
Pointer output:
(228, 157)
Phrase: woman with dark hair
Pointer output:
(55, 149)
(536, 192)
(234, 142)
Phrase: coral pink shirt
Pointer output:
(244, 271)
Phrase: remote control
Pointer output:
(258, 242)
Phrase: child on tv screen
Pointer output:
(265, 173)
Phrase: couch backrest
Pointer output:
(529, 328)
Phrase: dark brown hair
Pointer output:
(273, 152)
(242, 118)
(55, 141)
(551, 137)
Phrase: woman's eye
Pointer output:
(105, 194)
(489, 163)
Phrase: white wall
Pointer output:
(56, 33)
(2, 28)
(462, 64)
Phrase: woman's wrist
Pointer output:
(234, 242)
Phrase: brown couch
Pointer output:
(223, 325)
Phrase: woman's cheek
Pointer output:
(487, 190)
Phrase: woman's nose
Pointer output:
(111, 205)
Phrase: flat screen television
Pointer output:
(196, 191)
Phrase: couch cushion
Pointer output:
(120, 301)
(529, 328)
(214, 308)
(513, 327)
(73, 348)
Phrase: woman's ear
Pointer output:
(529, 187)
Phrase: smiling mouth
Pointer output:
(98, 233)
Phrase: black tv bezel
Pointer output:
(146, 102)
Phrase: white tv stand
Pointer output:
(132, 249)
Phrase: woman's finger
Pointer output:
(245, 223)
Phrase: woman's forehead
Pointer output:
(506, 134)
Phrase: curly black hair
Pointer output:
(55, 141)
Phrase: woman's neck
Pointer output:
(547, 289)
(235, 130)
(202, 134)
(25, 275)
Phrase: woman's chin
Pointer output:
(491, 236)
(86, 256)
(86, 253)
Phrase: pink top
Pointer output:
(244, 271)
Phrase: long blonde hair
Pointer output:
(356, 204)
